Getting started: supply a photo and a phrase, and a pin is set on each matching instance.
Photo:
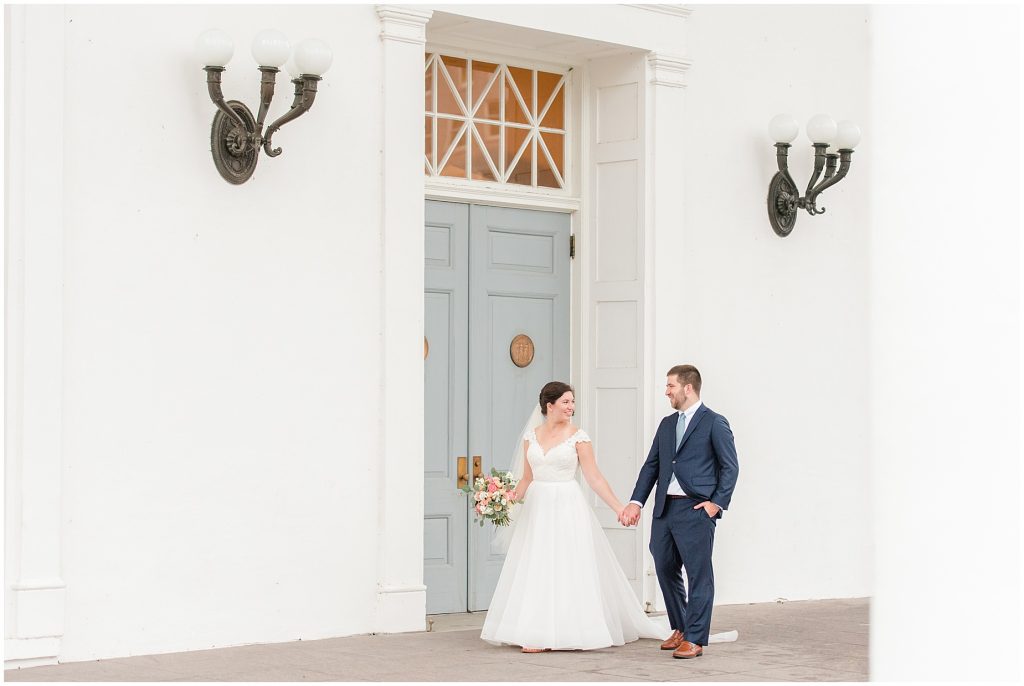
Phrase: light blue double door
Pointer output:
(492, 275)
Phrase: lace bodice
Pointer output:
(557, 464)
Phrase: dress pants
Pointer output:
(683, 538)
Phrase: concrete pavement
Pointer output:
(824, 640)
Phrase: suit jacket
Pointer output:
(705, 464)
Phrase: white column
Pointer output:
(945, 263)
(665, 171)
(401, 595)
(34, 595)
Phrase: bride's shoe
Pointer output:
(536, 650)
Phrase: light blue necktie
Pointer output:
(680, 430)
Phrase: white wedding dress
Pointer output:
(561, 586)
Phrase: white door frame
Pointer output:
(659, 86)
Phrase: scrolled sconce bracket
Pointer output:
(234, 153)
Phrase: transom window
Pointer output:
(494, 122)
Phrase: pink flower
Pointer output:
(491, 488)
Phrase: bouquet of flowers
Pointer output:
(494, 495)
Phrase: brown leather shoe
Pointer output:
(673, 641)
(686, 650)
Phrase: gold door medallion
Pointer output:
(521, 350)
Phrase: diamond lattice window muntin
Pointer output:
(494, 122)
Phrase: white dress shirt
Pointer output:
(673, 486)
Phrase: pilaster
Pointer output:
(34, 348)
(666, 155)
(401, 595)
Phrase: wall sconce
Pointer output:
(236, 136)
(783, 197)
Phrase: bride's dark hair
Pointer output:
(552, 391)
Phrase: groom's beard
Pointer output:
(678, 403)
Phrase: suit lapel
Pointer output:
(669, 438)
(697, 417)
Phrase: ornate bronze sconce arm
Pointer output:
(305, 94)
(819, 165)
(268, 79)
(217, 96)
(831, 178)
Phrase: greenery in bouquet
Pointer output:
(493, 496)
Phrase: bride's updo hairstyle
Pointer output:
(552, 391)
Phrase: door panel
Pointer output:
(446, 395)
(519, 284)
(491, 274)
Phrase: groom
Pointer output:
(693, 462)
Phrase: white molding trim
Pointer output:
(403, 24)
(484, 52)
(668, 70)
(40, 585)
(30, 652)
(400, 609)
(417, 588)
(680, 11)
(500, 197)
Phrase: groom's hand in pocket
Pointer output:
(709, 507)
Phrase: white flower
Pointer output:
(508, 475)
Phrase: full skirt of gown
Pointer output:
(561, 586)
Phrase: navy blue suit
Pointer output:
(681, 537)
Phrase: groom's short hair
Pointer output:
(686, 374)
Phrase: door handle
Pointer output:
(477, 468)
(463, 472)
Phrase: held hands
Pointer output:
(629, 515)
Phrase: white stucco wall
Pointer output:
(219, 418)
(945, 343)
(777, 326)
(221, 344)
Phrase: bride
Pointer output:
(561, 587)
